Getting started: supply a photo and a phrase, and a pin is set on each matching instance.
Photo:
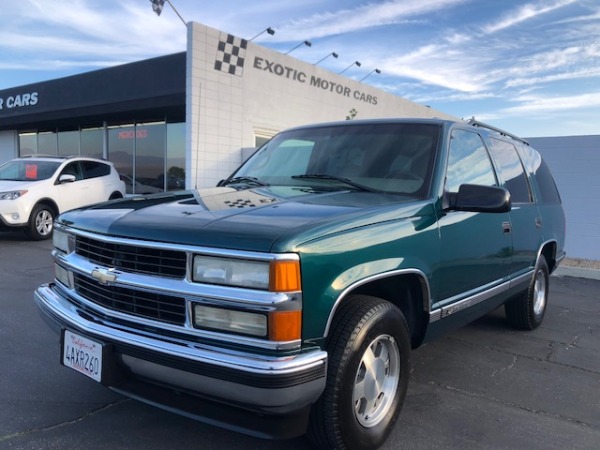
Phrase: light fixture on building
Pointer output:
(354, 63)
(307, 43)
(269, 30)
(334, 54)
(372, 71)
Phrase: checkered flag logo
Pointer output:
(231, 54)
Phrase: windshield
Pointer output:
(28, 170)
(377, 157)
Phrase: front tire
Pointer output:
(367, 376)
(41, 223)
(526, 311)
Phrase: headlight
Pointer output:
(62, 241)
(275, 276)
(12, 195)
(279, 326)
(229, 320)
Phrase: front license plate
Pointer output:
(82, 354)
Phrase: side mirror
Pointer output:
(66, 178)
(476, 198)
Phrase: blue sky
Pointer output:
(531, 67)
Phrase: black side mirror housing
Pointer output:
(476, 198)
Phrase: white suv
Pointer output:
(34, 190)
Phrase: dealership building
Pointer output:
(190, 118)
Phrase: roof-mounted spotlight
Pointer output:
(334, 54)
(371, 72)
(354, 63)
(269, 30)
(307, 43)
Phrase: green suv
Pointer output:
(287, 299)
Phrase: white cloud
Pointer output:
(545, 105)
(363, 17)
(523, 13)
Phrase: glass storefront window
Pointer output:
(68, 143)
(27, 143)
(92, 142)
(149, 158)
(47, 144)
(175, 156)
(121, 142)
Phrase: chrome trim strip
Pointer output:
(57, 307)
(176, 286)
(419, 273)
(471, 300)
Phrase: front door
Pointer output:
(476, 247)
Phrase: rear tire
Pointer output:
(41, 223)
(367, 376)
(526, 311)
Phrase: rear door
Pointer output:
(525, 219)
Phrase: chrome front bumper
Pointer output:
(268, 385)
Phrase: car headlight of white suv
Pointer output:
(12, 195)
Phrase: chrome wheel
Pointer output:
(539, 293)
(44, 222)
(376, 381)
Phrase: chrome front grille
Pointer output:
(136, 259)
(151, 305)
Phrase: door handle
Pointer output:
(506, 227)
(538, 222)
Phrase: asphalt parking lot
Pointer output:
(482, 387)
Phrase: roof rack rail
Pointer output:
(479, 124)
(40, 155)
(43, 155)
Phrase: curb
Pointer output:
(577, 272)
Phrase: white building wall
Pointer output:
(575, 164)
(229, 102)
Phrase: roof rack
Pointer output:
(476, 123)
(42, 155)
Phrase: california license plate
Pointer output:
(82, 354)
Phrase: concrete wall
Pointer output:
(237, 90)
(575, 164)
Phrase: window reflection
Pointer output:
(468, 162)
(150, 157)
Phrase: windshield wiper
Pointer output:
(240, 180)
(324, 176)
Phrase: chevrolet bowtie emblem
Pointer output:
(104, 276)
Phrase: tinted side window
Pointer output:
(468, 162)
(93, 169)
(511, 170)
(73, 168)
(548, 189)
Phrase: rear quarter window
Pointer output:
(512, 171)
(548, 190)
(93, 169)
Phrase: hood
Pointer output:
(265, 219)
(9, 185)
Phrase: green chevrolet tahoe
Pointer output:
(287, 299)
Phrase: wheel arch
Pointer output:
(48, 202)
(407, 289)
(548, 250)
(115, 195)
